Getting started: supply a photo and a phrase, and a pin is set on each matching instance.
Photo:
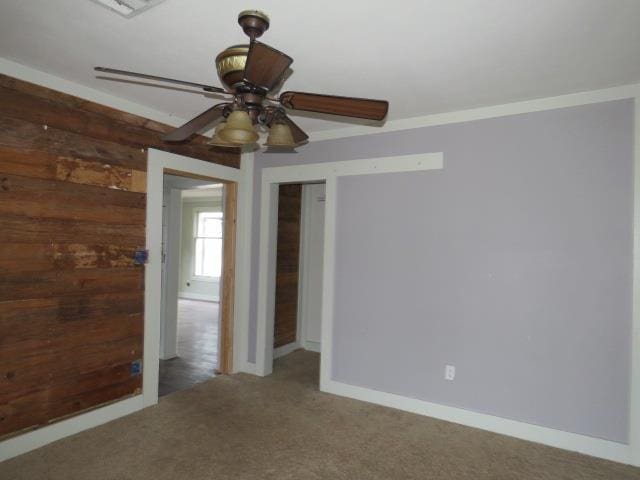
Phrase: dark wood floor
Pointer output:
(197, 347)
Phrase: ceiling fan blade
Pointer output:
(345, 106)
(206, 88)
(298, 134)
(265, 65)
(196, 124)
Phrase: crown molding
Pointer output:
(514, 108)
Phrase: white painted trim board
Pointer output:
(243, 266)
(493, 111)
(548, 436)
(26, 442)
(285, 349)
(158, 161)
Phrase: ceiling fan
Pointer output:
(250, 73)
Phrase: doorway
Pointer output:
(235, 208)
(299, 264)
(192, 240)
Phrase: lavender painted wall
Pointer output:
(514, 264)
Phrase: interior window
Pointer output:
(208, 244)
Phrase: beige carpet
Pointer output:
(281, 427)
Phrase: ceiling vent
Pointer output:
(128, 8)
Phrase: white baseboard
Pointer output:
(285, 349)
(311, 346)
(26, 442)
(247, 367)
(198, 296)
(596, 447)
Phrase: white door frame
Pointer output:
(306, 261)
(158, 161)
(318, 172)
(170, 275)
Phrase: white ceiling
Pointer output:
(424, 56)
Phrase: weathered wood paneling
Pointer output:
(37, 257)
(72, 213)
(51, 167)
(24, 136)
(23, 229)
(63, 113)
(25, 285)
(287, 264)
(33, 372)
(33, 197)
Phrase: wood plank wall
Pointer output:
(72, 212)
(287, 264)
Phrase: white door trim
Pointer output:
(169, 312)
(307, 258)
(243, 266)
(327, 172)
(303, 270)
(157, 162)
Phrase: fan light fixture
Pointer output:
(251, 74)
(216, 140)
(239, 129)
(280, 136)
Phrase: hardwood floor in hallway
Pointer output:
(197, 357)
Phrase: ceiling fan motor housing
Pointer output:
(230, 64)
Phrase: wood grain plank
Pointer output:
(228, 278)
(43, 406)
(22, 286)
(29, 374)
(25, 257)
(28, 137)
(39, 198)
(22, 229)
(54, 167)
(67, 336)
(78, 103)
(43, 318)
(92, 173)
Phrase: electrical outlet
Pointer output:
(136, 368)
(449, 372)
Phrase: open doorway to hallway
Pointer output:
(299, 262)
(193, 219)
